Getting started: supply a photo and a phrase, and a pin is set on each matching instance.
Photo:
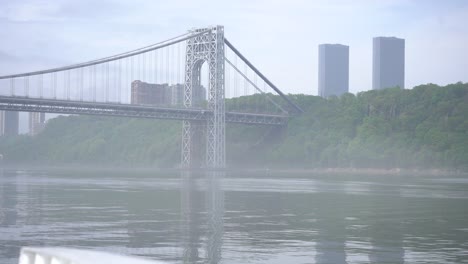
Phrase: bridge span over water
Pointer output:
(178, 70)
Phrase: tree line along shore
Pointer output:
(421, 128)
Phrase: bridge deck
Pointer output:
(25, 104)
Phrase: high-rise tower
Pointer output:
(333, 69)
(388, 64)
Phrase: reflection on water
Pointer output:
(237, 218)
(8, 216)
(196, 200)
(331, 236)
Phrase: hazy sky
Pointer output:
(279, 37)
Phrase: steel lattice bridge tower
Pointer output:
(173, 80)
(207, 48)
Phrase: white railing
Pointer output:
(31, 255)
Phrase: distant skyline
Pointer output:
(333, 70)
(388, 63)
(279, 37)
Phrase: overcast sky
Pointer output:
(280, 37)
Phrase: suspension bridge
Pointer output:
(198, 77)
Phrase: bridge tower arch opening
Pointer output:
(205, 48)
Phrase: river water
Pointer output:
(237, 217)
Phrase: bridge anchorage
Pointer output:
(146, 83)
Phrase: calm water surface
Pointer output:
(237, 218)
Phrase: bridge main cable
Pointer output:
(156, 46)
(255, 86)
(265, 79)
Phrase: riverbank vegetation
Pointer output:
(424, 127)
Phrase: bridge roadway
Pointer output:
(26, 104)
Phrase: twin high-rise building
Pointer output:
(388, 63)
(9, 123)
(333, 69)
(388, 66)
(37, 123)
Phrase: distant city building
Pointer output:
(333, 69)
(177, 91)
(149, 93)
(198, 95)
(163, 94)
(388, 63)
(36, 123)
(10, 123)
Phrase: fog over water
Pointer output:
(137, 93)
(219, 217)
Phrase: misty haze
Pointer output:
(233, 132)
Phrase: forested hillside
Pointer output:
(423, 127)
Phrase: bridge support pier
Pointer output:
(209, 48)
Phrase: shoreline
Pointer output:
(373, 171)
(321, 171)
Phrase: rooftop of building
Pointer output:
(389, 38)
(333, 45)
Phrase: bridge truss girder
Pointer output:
(135, 111)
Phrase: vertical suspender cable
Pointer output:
(106, 81)
(143, 67)
(52, 85)
(81, 83)
(138, 67)
(68, 85)
(150, 67)
(178, 63)
(140, 72)
(65, 84)
(246, 92)
(114, 86)
(55, 84)
(90, 85)
(41, 84)
(157, 66)
(227, 82)
(167, 65)
(26, 86)
(12, 87)
(131, 70)
(256, 94)
(236, 83)
(95, 82)
(103, 80)
(161, 66)
(119, 95)
(172, 64)
(25, 79)
(127, 83)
